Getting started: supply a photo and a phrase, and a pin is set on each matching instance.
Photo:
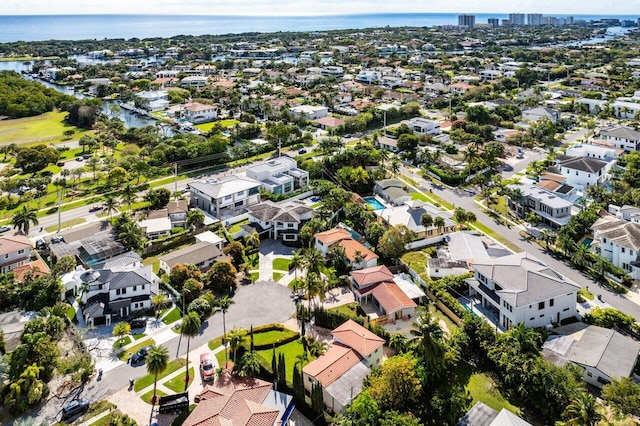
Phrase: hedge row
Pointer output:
(446, 177)
(278, 342)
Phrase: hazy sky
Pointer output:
(315, 7)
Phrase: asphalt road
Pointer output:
(255, 304)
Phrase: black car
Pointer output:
(138, 323)
(75, 407)
(141, 355)
(41, 244)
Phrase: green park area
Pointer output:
(205, 127)
(44, 128)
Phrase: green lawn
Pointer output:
(44, 128)
(205, 127)
(177, 383)
(216, 343)
(277, 276)
(65, 225)
(154, 261)
(122, 342)
(316, 205)
(71, 313)
(107, 420)
(290, 350)
(172, 316)
(431, 198)
(146, 381)
(132, 350)
(271, 336)
(97, 408)
(138, 336)
(500, 206)
(236, 226)
(482, 388)
(147, 396)
(281, 263)
(586, 294)
(350, 309)
(440, 316)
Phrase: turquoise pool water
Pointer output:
(374, 203)
(587, 242)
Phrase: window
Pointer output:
(143, 286)
(228, 197)
(6, 256)
(540, 306)
(604, 241)
(289, 225)
(240, 194)
(551, 303)
(135, 287)
(622, 249)
(20, 251)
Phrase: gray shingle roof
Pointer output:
(584, 164)
(619, 231)
(622, 132)
(194, 254)
(269, 211)
(524, 279)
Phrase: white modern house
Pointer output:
(309, 112)
(113, 289)
(583, 171)
(196, 112)
(368, 76)
(225, 195)
(423, 126)
(280, 220)
(279, 176)
(598, 152)
(522, 289)
(552, 209)
(158, 100)
(195, 81)
(618, 240)
(535, 114)
(624, 137)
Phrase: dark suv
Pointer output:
(141, 355)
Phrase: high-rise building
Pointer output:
(534, 19)
(493, 22)
(517, 18)
(468, 20)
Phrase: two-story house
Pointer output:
(538, 113)
(358, 255)
(225, 195)
(196, 112)
(522, 289)
(624, 137)
(423, 126)
(309, 112)
(618, 240)
(177, 211)
(352, 353)
(582, 172)
(279, 176)
(15, 250)
(280, 220)
(113, 290)
(550, 208)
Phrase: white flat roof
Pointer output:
(209, 237)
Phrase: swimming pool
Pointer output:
(587, 242)
(374, 203)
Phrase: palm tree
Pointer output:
(398, 342)
(582, 411)
(439, 223)
(297, 262)
(427, 338)
(128, 195)
(237, 337)
(222, 305)
(110, 205)
(547, 236)
(580, 255)
(120, 330)
(190, 327)
(93, 163)
(157, 362)
(426, 220)
(566, 243)
(131, 236)
(250, 364)
(159, 302)
(394, 166)
(253, 240)
(195, 218)
(23, 220)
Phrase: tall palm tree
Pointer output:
(195, 218)
(157, 362)
(250, 364)
(439, 223)
(582, 411)
(580, 255)
(426, 220)
(190, 327)
(237, 337)
(110, 205)
(222, 305)
(131, 236)
(253, 240)
(128, 195)
(23, 220)
(427, 338)
(297, 262)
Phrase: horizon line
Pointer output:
(315, 14)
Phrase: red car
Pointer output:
(206, 366)
(95, 209)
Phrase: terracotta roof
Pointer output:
(197, 107)
(330, 121)
(357, 337)
(177, 206)
(11, 243)
(370, 276)
(332, 235)
(391, 297)
(233, 402)
(38, 268)
(351, 247)
(330, 366)
(552, 176)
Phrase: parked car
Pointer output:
(141, 355)
(4, 228)
(57, 239)
(206, 366)
(75, 407)
(41, 244)
(302, 151)
(79, 159)
(60, 164)
(95, 209)
(47, 173)
(86, 156)
(138, 323)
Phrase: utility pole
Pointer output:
(279, 148)
(175, 181)
(59, 207)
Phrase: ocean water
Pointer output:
(80, 27)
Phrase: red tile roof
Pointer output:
(357, 337)
(370, 276)
(391, 297)
(351, 247)
(11, 243)
(38, 268)
(330, 366)
(333, 235)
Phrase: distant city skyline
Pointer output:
(314, 7)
